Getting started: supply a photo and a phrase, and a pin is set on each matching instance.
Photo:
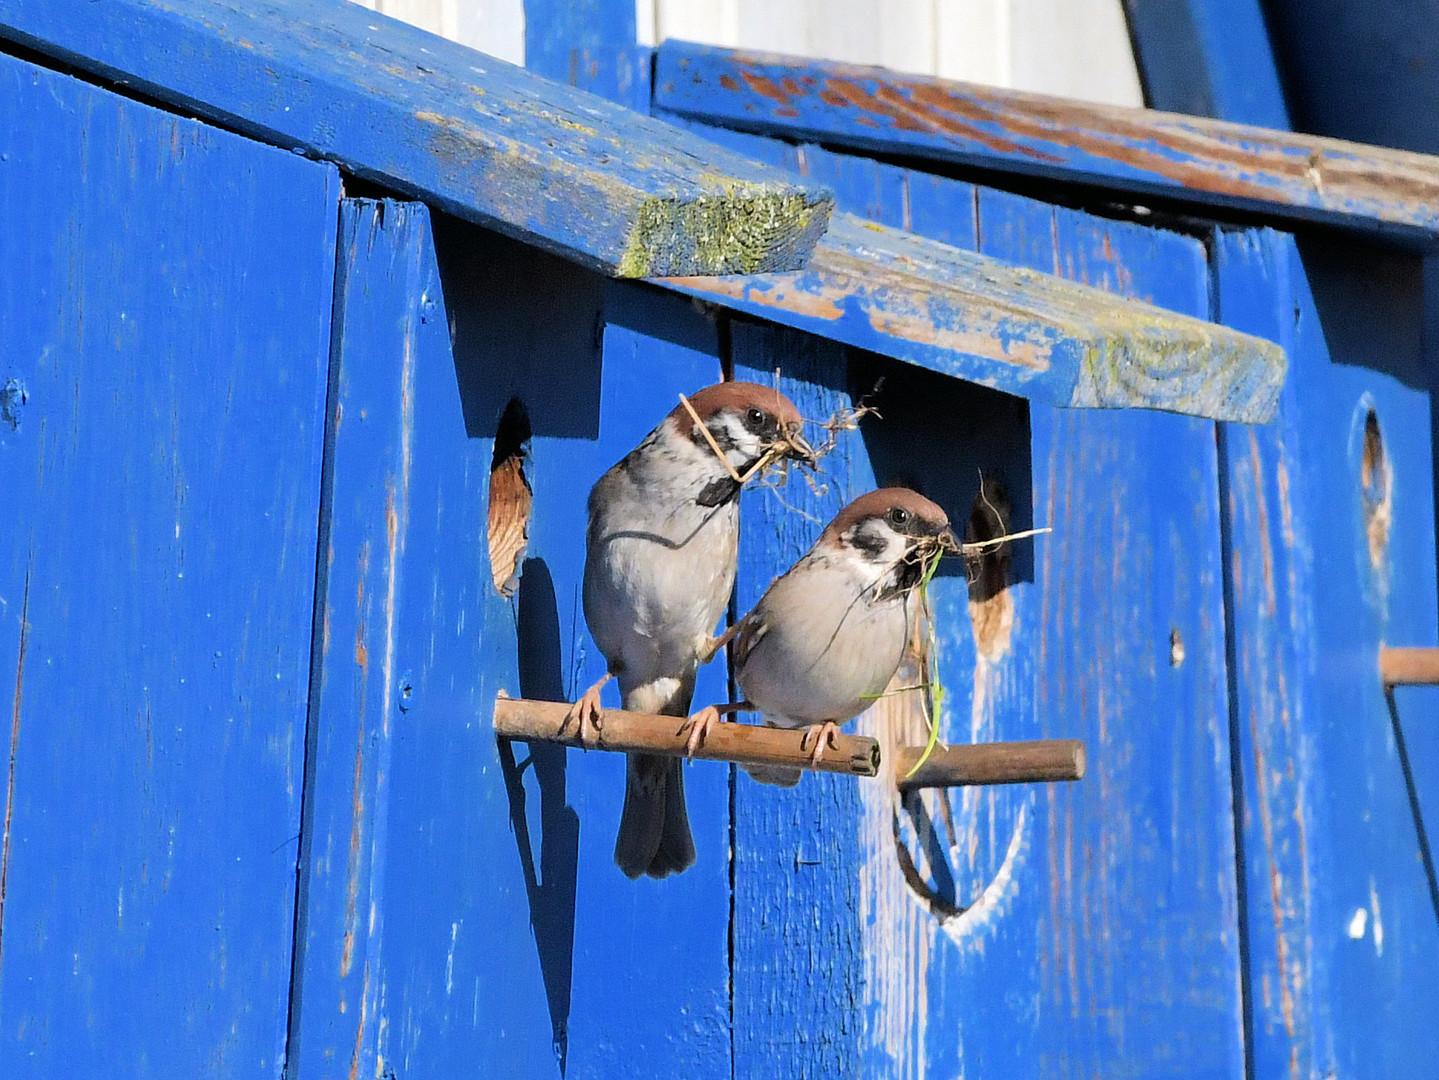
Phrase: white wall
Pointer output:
(496, 27)
(1072, 48)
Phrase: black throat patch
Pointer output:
(718, 492)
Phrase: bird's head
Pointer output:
(752, 426)
(896, 531)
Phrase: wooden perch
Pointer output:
(1409, 667)
(991, 763)
(743, 744)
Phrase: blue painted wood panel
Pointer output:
(650, 996)
(1088, 946)
(1331, 553)
(1143, 909)
(165, 330)
(950, 309)
(563, 169)
(419, 954)
(464, 911)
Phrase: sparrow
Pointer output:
(826, 637)
(660, 560)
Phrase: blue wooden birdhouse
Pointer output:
(315, 332)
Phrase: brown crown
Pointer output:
(738, 396)
(879, 503)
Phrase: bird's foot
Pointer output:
(823, 735)
(699, 725)
(713, 645)
(587, 715)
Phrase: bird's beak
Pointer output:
(948, 542)
(797, 447)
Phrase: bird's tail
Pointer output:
(654, 836)
(777, 775)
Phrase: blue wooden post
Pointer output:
(165, 327)
(1332, 776)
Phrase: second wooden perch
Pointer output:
(743, 744)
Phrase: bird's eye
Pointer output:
(898, 515)
(755, 417)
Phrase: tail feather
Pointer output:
(777, 775)
(654, 835)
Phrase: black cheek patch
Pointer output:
(718, 492)
(869, 541)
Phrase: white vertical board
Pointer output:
(1072, 48)
(496, 27)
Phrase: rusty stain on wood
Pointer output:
(1034, 335)
(357, 796)
(1183, 158)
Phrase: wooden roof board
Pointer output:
(1182, 158)
(1031, 334)
(483, 139)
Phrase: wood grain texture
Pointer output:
(1338, 779)
(798, 960)
(401, 943)
(1031, 334)
(473, 135)
(629, 732)
(1408, 666)
(1178, 159)
(1040, 761)
(164, 338)
(1130, 938)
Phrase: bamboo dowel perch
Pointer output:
(991, 763)
(1409, 667)
(743, 744)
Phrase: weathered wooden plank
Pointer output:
(650, 979)
(798, 929)
(1331, 553)
(432, 119)
(1176, 158)
(1131, 939)
(164, 338)
(1032, 334)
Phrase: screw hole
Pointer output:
(510, 498)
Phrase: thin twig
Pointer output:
(709, 438)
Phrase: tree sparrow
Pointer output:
(825, 639)
(659, 568)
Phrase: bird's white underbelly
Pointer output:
(807, 670)
(650, 606)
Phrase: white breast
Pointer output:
(827, 648)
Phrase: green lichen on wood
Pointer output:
(1213, 372)
(744, 232)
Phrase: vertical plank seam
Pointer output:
(14, 745)
(317, 639)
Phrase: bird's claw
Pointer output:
(699, 725)
(587, 715)
(823, 735)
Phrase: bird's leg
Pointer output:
(701, 722)
(713, 645)
(823, 737)
(587, 713)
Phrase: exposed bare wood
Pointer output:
(743, 744)
(1409, 667)
(1044, 761)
